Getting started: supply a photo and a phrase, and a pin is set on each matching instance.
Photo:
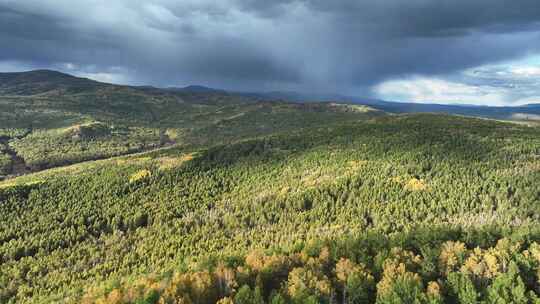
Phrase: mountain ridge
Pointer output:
(45, 81)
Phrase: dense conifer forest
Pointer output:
(164, 213)
(137, 195)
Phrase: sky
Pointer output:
(483, 52)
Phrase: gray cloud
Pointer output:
(347, 46)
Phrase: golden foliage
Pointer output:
(257, 261)
(167, 162)
(302, 275)
(302, 280)
(534, 251)
(139, 175)
(173, 134)
(225, 300)
(355, 165)
(488, 263)
(393, 271)
(284, 191)
(415, 184)
(480, 267)
(189, 287)
(345, 268)
(115, 297)
(398, 266)
(398, 254)
(324, 255)
(451, 256)
(433, 289)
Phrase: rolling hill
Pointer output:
(58, 124)
(529, 112)
(179, 196)
(44, 81)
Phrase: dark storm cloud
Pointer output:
(325, 45)
(434, 18)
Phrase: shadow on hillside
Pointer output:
(417, 137)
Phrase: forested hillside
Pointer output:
(50, 119)
(529, 113)
(393, 209)
(270, 152)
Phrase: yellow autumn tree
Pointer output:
(451, 256)
(304, 282)
(356, 281)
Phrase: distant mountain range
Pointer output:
(527, 112)
(54, 82)
(197, 89)
(524, 112)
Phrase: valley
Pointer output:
(12, 164)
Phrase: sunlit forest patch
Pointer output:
(167, 209)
